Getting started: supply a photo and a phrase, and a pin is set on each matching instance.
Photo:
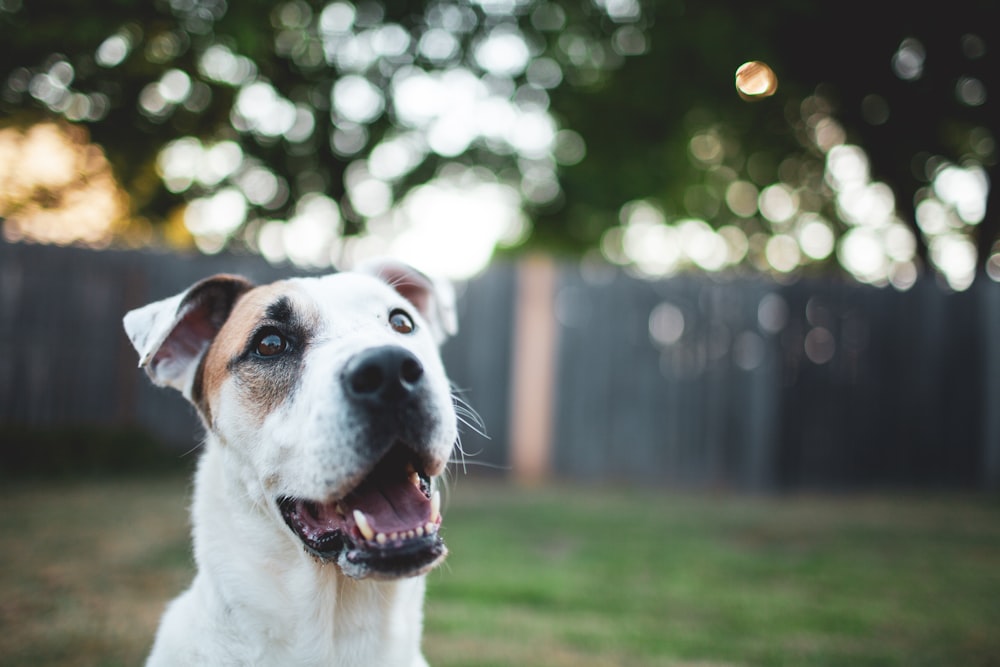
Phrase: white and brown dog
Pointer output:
(328, 415)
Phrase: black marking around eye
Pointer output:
(282, 318)
(281, 311)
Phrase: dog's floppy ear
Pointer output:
(434, 298)
(172, 335)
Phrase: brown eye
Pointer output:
(400, 322)
(271, 344)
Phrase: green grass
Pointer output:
(573, 577)
(559, 576)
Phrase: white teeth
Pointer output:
(362, 521)
(435, 506)
(364, 525)
(415, 479)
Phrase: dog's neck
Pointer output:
(307, 608)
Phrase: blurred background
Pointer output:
(703, 243)
(748, 249)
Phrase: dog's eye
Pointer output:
(270, 343)
(400, 322)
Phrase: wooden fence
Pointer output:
(691, 381)
(816, 384)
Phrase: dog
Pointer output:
(328, 417)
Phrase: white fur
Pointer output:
(258, 597)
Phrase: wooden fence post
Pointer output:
(533, 373)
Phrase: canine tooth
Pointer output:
(381, 538)
(363, 525)
(435, 506)
(414, 478)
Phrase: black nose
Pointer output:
(383, 375)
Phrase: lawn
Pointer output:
(563, 575)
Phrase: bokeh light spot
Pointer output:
(783, 253)
(772, 313)
(815, 237)
(113, 50)
(755, 80)
(908, 61)
(741, 198)
(778, 203)
(820, 345)
(357, 100)
(875, 109)
(666, 324)
(503, 52)
(861, 252)
(970, 91)
(706, 148)
(993, 267)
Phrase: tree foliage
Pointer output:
(586, 110)
(842, 57)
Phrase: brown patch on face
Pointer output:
(244, 351)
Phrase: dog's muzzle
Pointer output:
(388, 525)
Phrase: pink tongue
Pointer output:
(391, 506)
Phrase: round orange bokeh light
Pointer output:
(755, 80)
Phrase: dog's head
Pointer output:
(329, 396)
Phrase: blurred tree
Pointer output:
(614, 123)
(257, 112)
(907, 83)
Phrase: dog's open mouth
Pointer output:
(386, 528)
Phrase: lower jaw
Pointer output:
(416, 557)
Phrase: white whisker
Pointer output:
(467, 415)
(194, 449)
(470, 419)
(480, 464)
(461, 451)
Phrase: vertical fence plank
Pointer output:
(478, 360)
(989, 408)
